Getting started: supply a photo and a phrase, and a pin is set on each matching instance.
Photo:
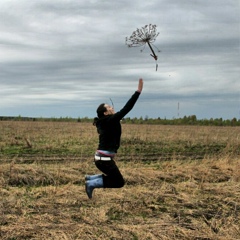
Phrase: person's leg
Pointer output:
(113, 177)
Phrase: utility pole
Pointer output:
(178, 109)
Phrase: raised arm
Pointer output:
(140, 85)
(131, 102)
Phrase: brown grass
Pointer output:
(42, 192)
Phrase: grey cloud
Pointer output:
(73, 53)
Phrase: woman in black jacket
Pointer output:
(109, 130)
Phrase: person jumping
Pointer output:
(109, 129)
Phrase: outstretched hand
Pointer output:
(140, 85)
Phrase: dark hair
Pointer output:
(100, 112)
(101, 109)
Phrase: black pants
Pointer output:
(113, 177)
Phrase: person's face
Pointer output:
(110, 110)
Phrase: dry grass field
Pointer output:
(182, 182)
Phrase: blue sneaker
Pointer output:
(91, 177)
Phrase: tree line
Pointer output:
(186, 120)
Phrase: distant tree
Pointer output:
(234, 122)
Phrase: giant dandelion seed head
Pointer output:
(140, 37)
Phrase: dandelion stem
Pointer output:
(154, 55)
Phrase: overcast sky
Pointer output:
(63, 58)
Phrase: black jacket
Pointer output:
(109, 127)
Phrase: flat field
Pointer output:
(182, 182)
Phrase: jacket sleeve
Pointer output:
(127, 108)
